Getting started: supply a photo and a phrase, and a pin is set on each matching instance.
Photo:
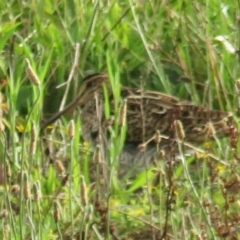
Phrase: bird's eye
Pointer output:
(89, 84)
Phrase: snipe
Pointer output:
(147, 113)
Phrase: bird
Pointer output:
(148, 114)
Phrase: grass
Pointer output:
(185, 48)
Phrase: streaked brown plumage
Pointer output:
(146, 109)
(147, 112)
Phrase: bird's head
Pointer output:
(91, 84)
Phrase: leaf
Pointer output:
(228, 46)
(141, 180)
(6, 32)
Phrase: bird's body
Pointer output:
(147, 112)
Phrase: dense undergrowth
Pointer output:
(52, 185)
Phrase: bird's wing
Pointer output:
(148, 111)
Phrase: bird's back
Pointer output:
(149, 111)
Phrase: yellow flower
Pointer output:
(219, 169)
(20, 127)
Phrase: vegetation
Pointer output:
(51, 184)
